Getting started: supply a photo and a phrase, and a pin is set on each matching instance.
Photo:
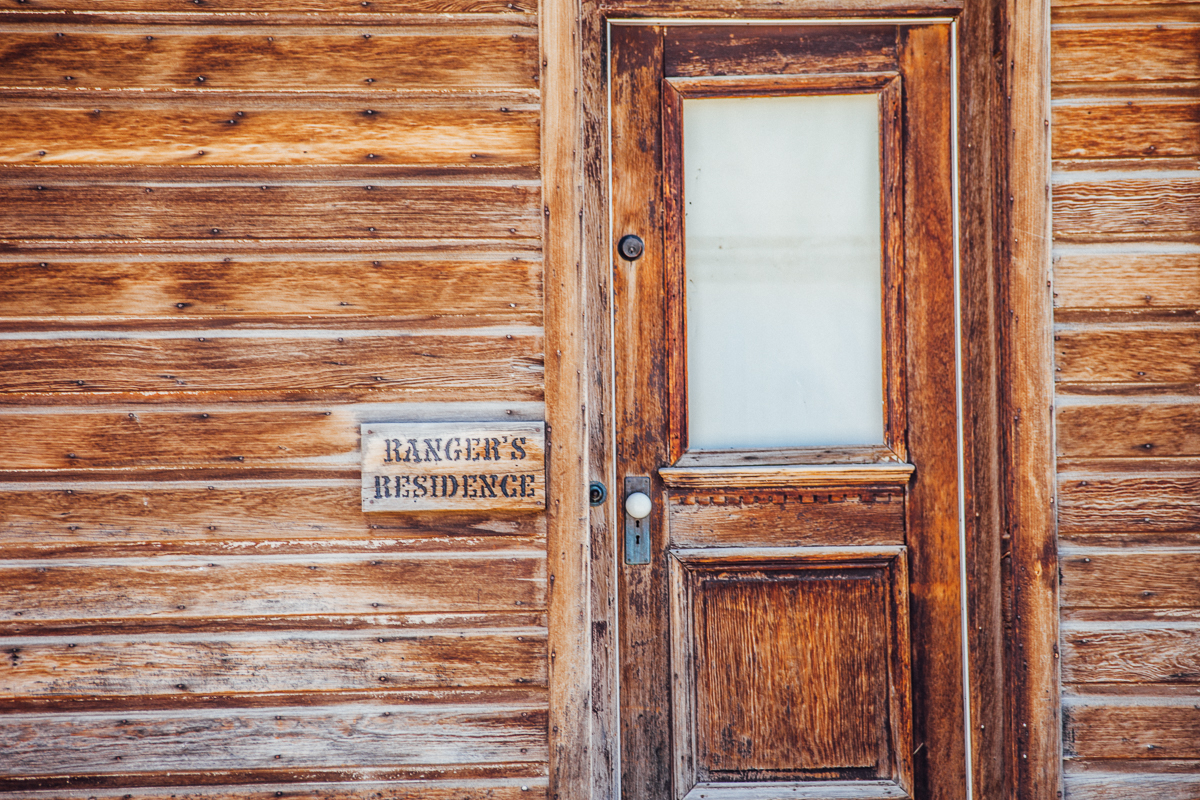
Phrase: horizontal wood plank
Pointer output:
(279, 738)
(55, 209)
(497, 365)
(1118, 503)
(1144, 429)
(509, 8)
(1133, 653)
(1129, 129)
(1125, 52)
(1100, 785)
(262, 586)
(193, 134)
(1127, 209)
(1128, 354)
(490, 788)
(94, 519)
(1145, 730)
(1134, 280)
(763, 49)
(1096, 578)
(315, 662)
(280, 289)
(784, 519)
(263, 58)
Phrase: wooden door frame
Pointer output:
(1011, 556)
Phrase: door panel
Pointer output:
(766, 648)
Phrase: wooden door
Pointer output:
(793, 627)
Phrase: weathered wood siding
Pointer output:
(1126, 147)
(230, 232)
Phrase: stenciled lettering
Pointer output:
(518, 452)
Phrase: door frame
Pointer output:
(1010, 561)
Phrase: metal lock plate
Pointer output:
(637, 531)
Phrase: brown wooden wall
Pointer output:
(1126, 194)
(230, 232)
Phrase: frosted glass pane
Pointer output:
(784, 310)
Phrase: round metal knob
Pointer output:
(638, 505)
(631, 246)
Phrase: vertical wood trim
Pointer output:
(983, 249)
(1029, 369)
(568, 550)
(605, 519)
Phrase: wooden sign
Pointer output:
(454, 466)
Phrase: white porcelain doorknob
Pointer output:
(637, 505)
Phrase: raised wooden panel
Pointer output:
(1095, 504)
(1127, 207)
(228, 130)
(52, 208)
(1128, 353)
(1117, 52)
(469, 291)
(792, 664)
(1128, 128)
(266, 58)
(786, 680)
(1133, 280)
(1129, 430)
(785, 518)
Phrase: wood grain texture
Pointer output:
(441, 788)
(1099, 785)
(1130, 654)
(788, 676)
(598, 370)
(501, 366)
(567, 397)
(1127, 129)
(281, 290)
(1130, 52)
(314, 737)
(767, 50)
(785, 520)
(124, 591)
(1034, 731)
(640, 422)
(1162, 503)
(1142, 728)
(1128, 354)
(1145, 579)
(329, 8)
(316, 662)
(930, 309)
(768, 9)
(1136, 280)
(238, 133)
(265, 58)
(148, 437)
(230, 516)
(1126, 209)
(1158, 429)
(49, 208)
